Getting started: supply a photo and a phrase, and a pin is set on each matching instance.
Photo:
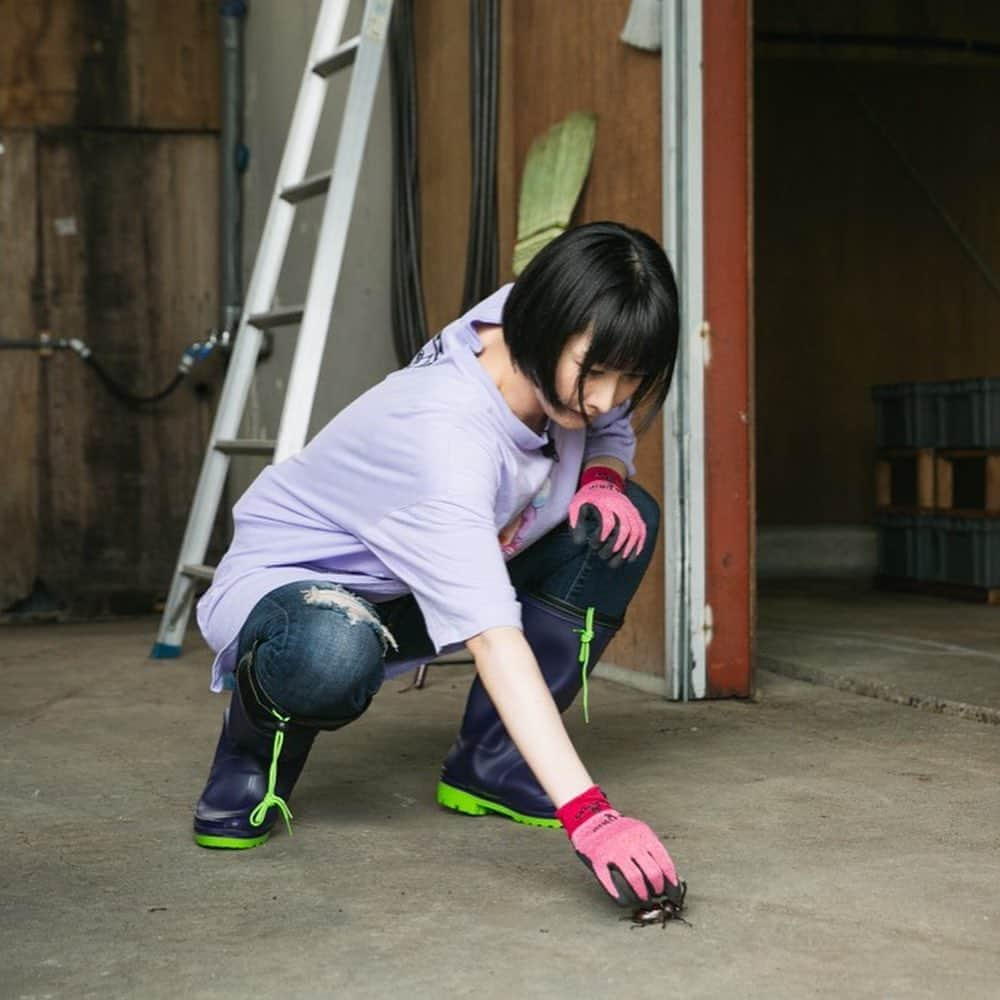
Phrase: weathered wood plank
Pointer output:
(441, 40)
(556, 71)
(134, 275)
(546, 72)
(18, 371)
(110, 63)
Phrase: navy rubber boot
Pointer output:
(483, 771)
(259, 757)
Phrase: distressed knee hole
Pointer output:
(358, 612)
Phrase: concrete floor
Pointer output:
(834, 846)
(938, 654)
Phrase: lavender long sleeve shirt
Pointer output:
(407, 490)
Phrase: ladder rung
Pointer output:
(309, 188)
(277, 317)
(245, 446)
(199, 572)
(342, 56)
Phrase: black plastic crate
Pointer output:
(970, 413)
(970, 551)
(909, 547)
(907, 415)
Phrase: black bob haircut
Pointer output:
(612, 280)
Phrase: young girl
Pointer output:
(478, 497)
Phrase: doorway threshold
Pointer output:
(931, 653)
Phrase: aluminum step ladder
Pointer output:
(328, 53)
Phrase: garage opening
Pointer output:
(877, 257)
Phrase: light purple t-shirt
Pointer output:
(407, 490)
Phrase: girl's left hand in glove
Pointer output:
(603, 515)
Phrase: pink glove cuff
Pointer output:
(577, 811)
(601, 473)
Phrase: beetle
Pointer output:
(659, 911)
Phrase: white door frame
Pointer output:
(687, 617)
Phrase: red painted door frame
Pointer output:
(729, 492)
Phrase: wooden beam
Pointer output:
(883, 482)
(728, 378)
(925, 479)
(19, 372)
(993, 483)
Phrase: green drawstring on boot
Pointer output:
(586, 637)
(271, 798)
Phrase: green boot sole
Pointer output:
(229, 843)
(472, 805)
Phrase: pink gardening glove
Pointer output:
(603, 515)
(624, 854)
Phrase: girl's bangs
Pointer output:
(630, 340)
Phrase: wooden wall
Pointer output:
(109, 63)
(557, 57)
(441, 37)
(859, 281)
(108, 220)
(19, 373)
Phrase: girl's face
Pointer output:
(603, 389)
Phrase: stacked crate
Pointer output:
(937, 487)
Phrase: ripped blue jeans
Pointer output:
(322, 651)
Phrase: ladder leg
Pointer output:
(290, 187)
(175, 618)
(208, 493)
(260, 293)
(332, 238)
(173, 624)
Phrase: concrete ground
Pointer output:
(834, 845)
(938, 654)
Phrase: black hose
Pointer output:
(20, 345)
(409, 317)
(130, 398)
(193, 354)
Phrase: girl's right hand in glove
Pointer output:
(624, 854)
